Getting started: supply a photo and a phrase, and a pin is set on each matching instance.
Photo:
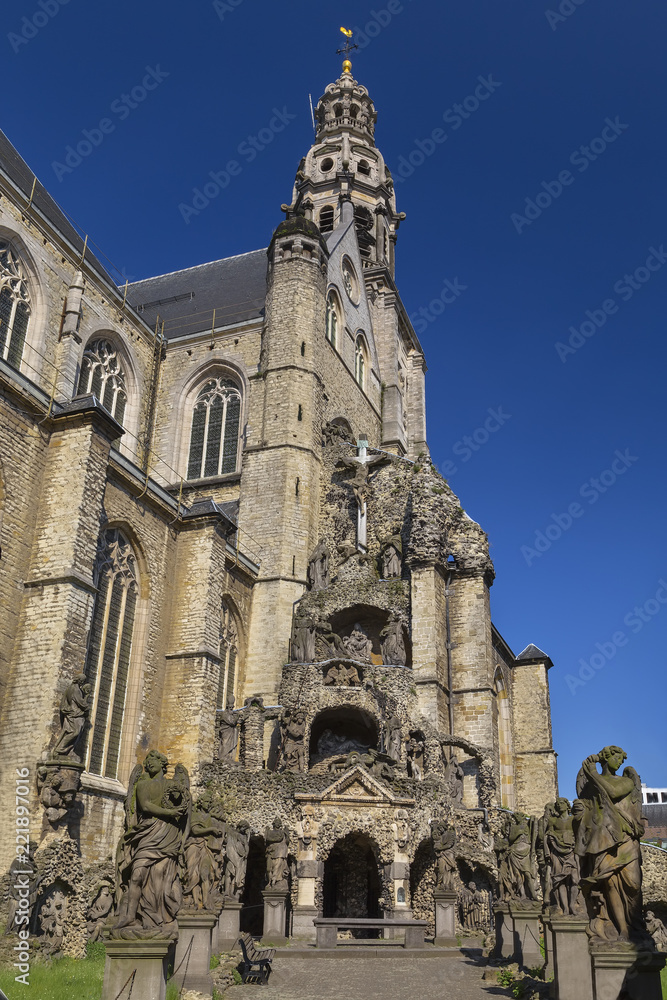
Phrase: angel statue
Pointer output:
(609, 826)
(150, 852)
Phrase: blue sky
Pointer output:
(544, 207)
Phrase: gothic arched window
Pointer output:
(229, 655)
(14, 306)
(102, 375)
(360, 361)
(332, 319)
(214, 438)
(109, 649)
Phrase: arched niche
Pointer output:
(372, 620)
(341, 730)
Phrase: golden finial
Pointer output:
(347, 65)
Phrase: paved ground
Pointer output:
(371, 977)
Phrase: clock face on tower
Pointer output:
(350, 281)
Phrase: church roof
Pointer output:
(532, 652)
(235, 287)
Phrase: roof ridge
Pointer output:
(207, 263)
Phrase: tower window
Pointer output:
(360, 361)
(14, 306)
(214, 438)
(102, 375)
(326, 165)
(354, 111)
(327, 219)
(363, 224)
(331, 319)
(109, 649)
(364, 167)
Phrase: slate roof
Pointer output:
(23, 177)
(532, 652)
(235, 287)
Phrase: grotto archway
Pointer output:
(352, 885)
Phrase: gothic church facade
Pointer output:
(217, 504)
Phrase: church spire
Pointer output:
(347, 48)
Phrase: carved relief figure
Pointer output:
(228, 721)
(293, 726)
(318, 568)
(157, 812)
(52, 920)
(358, 645)
(563, 862)
(99, 910)
(303, 641)
(401, 829)
(342, 675)
(609, 827)
(277, 869)
(444, 839)
(57, 787)
(393, 644)
(74, 712)
(307, 828)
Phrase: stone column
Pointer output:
(624, 971)
(526, 921)
(445, 917)
(139, 965)
(227, 929)
(275, 916)
(571, 960)
(504, 947)
(193, 951)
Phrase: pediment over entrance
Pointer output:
(356, 787)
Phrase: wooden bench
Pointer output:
(327, 929)
(256, 964)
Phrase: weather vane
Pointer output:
(347, 48)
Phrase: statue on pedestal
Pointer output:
(237, 847)
(392, 553)
(394, 738)
(293, 726)
(303, 641)
(521, 857)
(416, 749)
(228, 722)
(157, 817)
(74, 712)
(444, 839)
(608, 829)
(562, 860)
(454, 780)
(203, 850)
(277, 869)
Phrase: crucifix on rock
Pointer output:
(362, 465)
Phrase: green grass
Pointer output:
(663, 980)
(60, 980)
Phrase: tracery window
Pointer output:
(332, 319)
(229, 653)
(109, 649)
(214, 437)
(102, 375)
(15, 306)
(360, 362)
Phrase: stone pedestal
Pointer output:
(571, 960)
(226, 930)
(625, 971)
(275, 916)
(504, 947)
(303, 927)
(445, 917)
(139, 965)
(526, 921)
(193, 951)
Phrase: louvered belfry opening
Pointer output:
(214, 437)
(109, 649)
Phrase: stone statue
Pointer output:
(444, 839)
(358, 645)
(277, 869)
(318, 568)
(393, 644)
(342, 675)
(237, 848)
(203, 850)
(454, 780)
(501, 849)
(392, 553)
(416, 756)
(608, 829)
(563, 862)
(293, 726)
(99, 910)
(333, 434)
(157, 815)
(521, 857)
(228, 722)
(52, 920)
(394, 738)
(474, 908)
(57, 785)
(328, 644)
(401, 829)
(303, 641)
(657, 930)
(542, 853)
(307, 828)
(74, 712)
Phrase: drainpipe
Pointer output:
(449, 655)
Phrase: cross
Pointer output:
(347, 48)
